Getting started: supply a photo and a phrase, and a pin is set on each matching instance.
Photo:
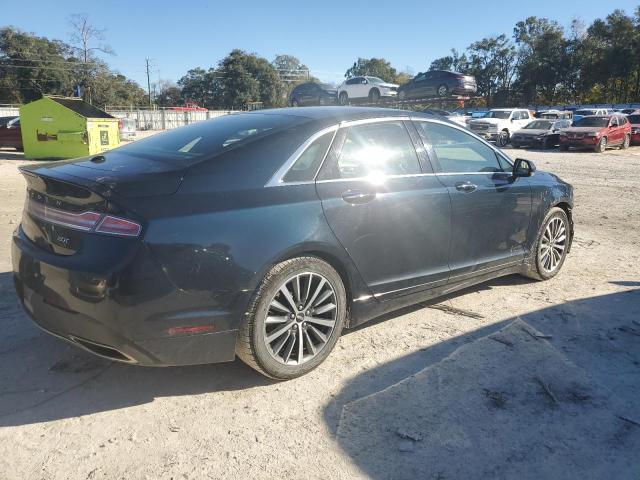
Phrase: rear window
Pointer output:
(190, 144)
(634, 118)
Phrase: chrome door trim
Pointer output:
(277, 179)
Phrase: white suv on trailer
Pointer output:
(361, 88)
(500, 123)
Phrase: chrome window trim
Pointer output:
(277, 179)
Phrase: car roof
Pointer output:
(339, 114)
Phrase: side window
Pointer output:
(459, 152)
(353, 81)
(420, 78)
(515, 116)
(306, 166)
(614, 122)
(375, 149)
(524, 115)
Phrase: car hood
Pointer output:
(531, 132)
(582, 130)
(490, 121)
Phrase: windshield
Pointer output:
(634, 118)
(584, 112)
(592, 122)
(498, 114)
(326, 86)
(189, 144)
(375, 80)
(539, 125)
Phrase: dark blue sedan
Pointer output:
(264, 234)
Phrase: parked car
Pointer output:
(634, 119)
(539, 133)
(630, 111)
(312, 93)
(555, 114)
(365, 88)
(587, 112)
(256, 234)
(597, 133)
(10, 133)
(438, 83)
(127, 128)
(452, 116)
(499, 123)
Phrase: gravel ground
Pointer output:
(510, 379)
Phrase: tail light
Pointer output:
(118, 226)
(86, 221)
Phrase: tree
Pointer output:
(455, 62)
(291, 69)
(169, 94)
(245, 77)
(541, 58)
(86, 40)
(491, 62)
(31, 66)
(374, 67)
(201, 86)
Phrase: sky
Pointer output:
(327, 36)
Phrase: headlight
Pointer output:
(591, 134)
(635, 130)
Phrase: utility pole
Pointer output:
(148, 81)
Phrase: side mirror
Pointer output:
(523, 168)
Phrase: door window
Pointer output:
(459, 152)
(614, 122)
(374, 150)
(353, 81)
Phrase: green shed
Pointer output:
(61, 127)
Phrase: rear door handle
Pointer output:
(466, 187)
(358, 197)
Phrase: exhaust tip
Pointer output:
(102, 350)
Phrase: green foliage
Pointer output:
(374, 67)
(31, 66)
(544, 64)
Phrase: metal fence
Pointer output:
(145, 118)
(164, 119)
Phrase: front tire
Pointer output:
(374, 95)
(294, 319)
(402, 95)
(601, 146)
(443, 90)
(343, 98)
(550, 250)
(295, 104)
(503, 138)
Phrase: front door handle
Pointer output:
(358, 197)
(466, 187)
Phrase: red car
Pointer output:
(597, 132)
(635, 128)
(10, 133)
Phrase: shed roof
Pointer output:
(80, 107)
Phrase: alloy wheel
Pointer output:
(442, 90)
(553, 245)
(300, 319)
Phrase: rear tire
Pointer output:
(564, 148)
(258, 343)
(626, 143)
(374, 95)
(443, 90)
(295, 104)
(550, 249)
(402, 95)
(343, 98)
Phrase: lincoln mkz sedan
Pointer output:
(264, 234)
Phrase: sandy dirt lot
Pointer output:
(510, 379)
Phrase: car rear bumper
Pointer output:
(464, 90)
(89, 311)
